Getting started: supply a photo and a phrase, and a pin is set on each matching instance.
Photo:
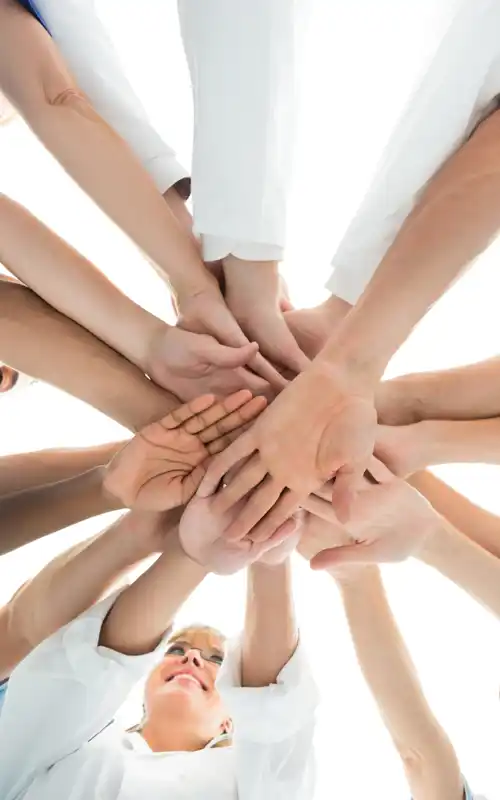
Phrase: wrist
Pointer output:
(356, 578)
(434, 543)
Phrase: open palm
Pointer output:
(162, 466)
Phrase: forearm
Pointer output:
(465, 563)
(31, 514)
(67, 281)
(270, 637)
(456, 219)
(72, 359)
(391, 676)
(474, 522)
(75, 580)
(88, 148)
(462, 393)
(145, 610)
(23, 471)
(452, 442)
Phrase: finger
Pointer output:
(229, 333)
(345, 489)
(246, 479)
(254, 383)
(379, 471)
(270, 374)
(261, 522)
(287, 529)
(242, 447)
(219, 355)
(345, 554)
(287, 351)
(264, 498)
(219, 410)
(320, 508)
(182, 413)
(233, 421)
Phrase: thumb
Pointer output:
(345, 554)
(219, 355)
(345, 489)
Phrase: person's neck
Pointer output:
(163, 738)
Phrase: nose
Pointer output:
(193, 657)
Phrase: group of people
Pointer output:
(212, 481)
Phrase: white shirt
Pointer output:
(243, 61)
(56, 742)
(454, 95)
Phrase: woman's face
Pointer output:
(183, 685)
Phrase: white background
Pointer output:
(360, 67)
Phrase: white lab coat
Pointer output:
(244, 59)
(455, 93)
(57, 743)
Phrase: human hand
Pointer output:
(399, 401)
(206, 312)
(162, 466)
(389, 522)
(191, 364)
(201, 537)
(319, 535)
(255, 295)
(312, 327)
(404, 449)
(324, 423)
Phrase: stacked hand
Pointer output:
(162, 466)
(254, 293)
(389, 522)
(206, 312)
(323, 424)
(192, 364)
(201, 537)
(405, 449)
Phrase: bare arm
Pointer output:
(31, 514)
(455, 220)
(71, 583)
(269, 639)
(162, 590)
(22, 471)
(52, 269)
(38, 340)
(35, 78)
(461, 393)
(409, 448)
(479, 525)
(465, 563)
(429, 759)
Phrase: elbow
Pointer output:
(433, 771)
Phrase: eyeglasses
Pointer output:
(181, 648)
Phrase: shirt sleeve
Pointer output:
(273, 729)
(64, 693)
(90, 54)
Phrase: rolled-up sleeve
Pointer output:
(64, 693)
(245, 61)
(91, 56)
(273, 729)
